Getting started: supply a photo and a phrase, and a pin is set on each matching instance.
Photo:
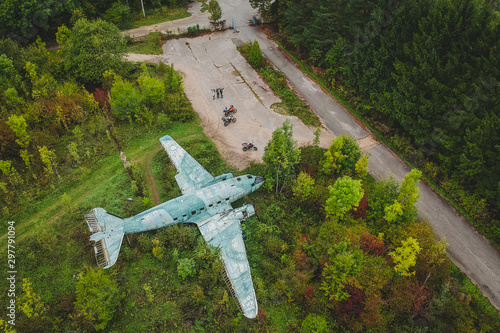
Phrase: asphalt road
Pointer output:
(471, 252)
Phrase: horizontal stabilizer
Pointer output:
(107, 247)
(107, 234)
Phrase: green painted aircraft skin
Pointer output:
(206, 201)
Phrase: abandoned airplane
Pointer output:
(206, 201)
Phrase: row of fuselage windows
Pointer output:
(194, 212)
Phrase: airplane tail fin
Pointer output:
(107, 234)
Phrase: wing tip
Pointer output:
(251, 315)
(166, 138)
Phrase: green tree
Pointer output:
(405, 256)
(215, 11)
(393, 212)
(254, 54)
(264, 6)
(152, 89)
(157, 249)
(409, 193)
(186, 267)
(281, 156)
(73, 152)
(29, 302)
(403, 208)
(384, 193)
(97, 297)
(314, 324)
(342, 156)
(361, 167)
(41, 84)
(48, 157)
(345, 194)
(8, 73)
(342, 264)
(92, 48)
(18, 125)
(303, 187)
(125, 100)
(10, 173)
(62, 35)
(119, 15)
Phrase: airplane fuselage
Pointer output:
(193, 207)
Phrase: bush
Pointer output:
(153, 39)
(314, 324)
(194, 30)
(97, 297)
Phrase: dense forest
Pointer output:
(23, 21)
(331, 249)
(428, 70)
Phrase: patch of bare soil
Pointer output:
(368, 142)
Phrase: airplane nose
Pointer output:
(259, 180)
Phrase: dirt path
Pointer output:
(151, 179)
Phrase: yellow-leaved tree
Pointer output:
(405, 256)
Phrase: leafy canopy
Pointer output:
(91, 48)
(342, 156)
(215, 11)
(97, 297)
(345, 194)
(403, 208)
(304, 187)
(342, 264)
(281, 155)
(125, 100)
(314, 324)
(405, 256)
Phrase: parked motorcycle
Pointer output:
(248, 146)
(229, 120)
(229, 111)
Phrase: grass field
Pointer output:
(160, 15)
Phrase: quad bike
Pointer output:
(231, 110)
(248, 146)
(229, 120)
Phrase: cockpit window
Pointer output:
(249, 177)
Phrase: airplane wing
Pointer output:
(191, 176)
(223, 231)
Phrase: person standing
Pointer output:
(213, 93)
(217, 92)
(221, 92)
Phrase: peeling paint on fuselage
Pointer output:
(194, 207)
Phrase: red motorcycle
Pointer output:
(248, 146)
